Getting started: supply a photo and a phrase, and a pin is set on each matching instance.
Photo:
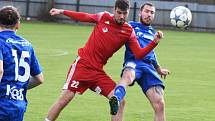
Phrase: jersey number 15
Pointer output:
(21, 63)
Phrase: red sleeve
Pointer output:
(137, 50)
(83, 17)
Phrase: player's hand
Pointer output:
(163, 72)
(158, 36)
(55, 11)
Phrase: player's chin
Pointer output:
(146, 22)
(120, 22)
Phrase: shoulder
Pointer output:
(104, 15)
(134, 24)
(18, 40)
(127, 25)
(108, 15)
(128, 28)
(21, 39)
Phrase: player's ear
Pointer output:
(139, 14)
(17, 25)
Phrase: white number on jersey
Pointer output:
(21, 63)
(75, 84)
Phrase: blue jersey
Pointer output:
(145, 34)
(145, 69)
(19, 63)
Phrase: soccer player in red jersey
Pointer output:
(110, 33)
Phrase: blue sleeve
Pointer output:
(35, 66)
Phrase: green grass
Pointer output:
(189, 92)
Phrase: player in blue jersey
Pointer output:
(19, 68)
(145, 71)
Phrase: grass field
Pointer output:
(189, 93)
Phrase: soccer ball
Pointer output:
(180, 17)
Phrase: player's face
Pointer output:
(120, 16)
(147, 14)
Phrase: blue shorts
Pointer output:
(146, 75)
(10, 110)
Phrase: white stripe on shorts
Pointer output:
(71, 72)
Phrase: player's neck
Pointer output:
(145, 24)
(7, 29)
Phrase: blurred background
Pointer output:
(203, 11)
(188, 54)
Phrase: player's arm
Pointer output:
(36, 77)
(155, 62)
(163, 72)
(79, 16)
(141, 52)
(35, 80)
(1, 69)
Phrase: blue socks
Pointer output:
(119, 92)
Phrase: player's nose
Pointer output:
(121, 16)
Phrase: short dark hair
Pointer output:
(122, 4)
(9, 16)
(147, 3)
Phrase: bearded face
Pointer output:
(120, 16)
(147, 15)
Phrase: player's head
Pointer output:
(121, 11)
(9, 17)
(147, 13)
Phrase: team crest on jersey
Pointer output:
(123, 31)
(105, 29)
(107, 22)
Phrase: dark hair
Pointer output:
(147, 3)
(9, 16)
(122, 4)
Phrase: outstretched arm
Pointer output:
(142, 52)
(80, 16)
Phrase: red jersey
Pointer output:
(107, 37)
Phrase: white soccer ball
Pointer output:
(28, 18)
(180, 17)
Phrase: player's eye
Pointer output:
(119, 12)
